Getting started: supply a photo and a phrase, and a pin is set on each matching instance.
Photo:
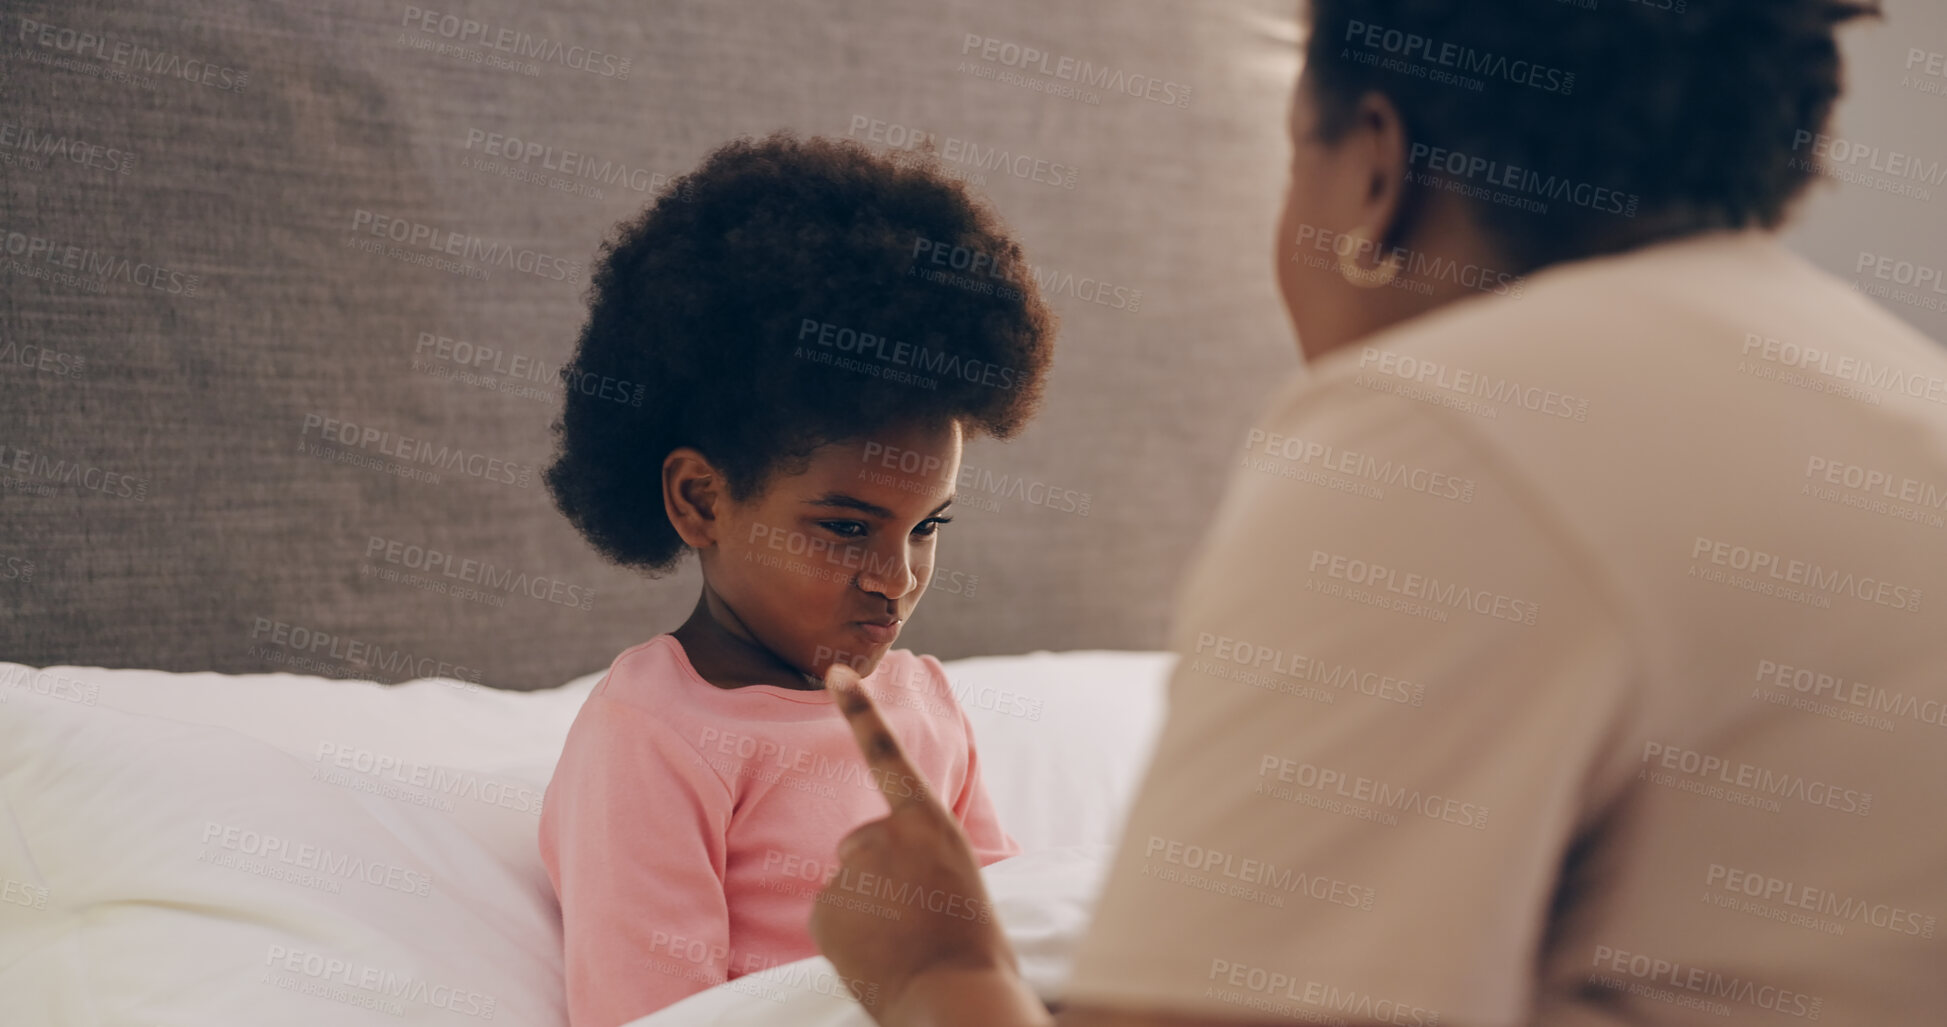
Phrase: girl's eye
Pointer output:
(931, 526)
(844, 529)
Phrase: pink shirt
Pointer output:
(688, 827)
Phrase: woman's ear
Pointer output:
(1383, 166)
(693, 494)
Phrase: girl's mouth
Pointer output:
(878, 632)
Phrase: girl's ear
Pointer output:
(693, 496)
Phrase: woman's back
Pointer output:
(1668, 532)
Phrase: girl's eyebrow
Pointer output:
(843, 501)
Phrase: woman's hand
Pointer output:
(907, 897)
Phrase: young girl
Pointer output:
(807, 372)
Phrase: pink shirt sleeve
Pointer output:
(640, 866)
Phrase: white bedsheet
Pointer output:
(189, 849)
(1042, 899)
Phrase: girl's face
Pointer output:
(826, 566)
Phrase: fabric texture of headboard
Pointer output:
(286, 285)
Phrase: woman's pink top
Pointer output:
(688, 827)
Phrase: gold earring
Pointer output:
(1375, 278)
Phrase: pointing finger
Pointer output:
(898, 781)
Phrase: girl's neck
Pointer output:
(725, 654)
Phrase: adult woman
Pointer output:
(1559, 618)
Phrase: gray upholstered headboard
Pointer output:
(325, 257)
(285, 285)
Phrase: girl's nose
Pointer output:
(888, 574)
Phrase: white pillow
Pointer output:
(163, 872)
(431, 720)
(1063, 738)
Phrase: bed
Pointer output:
(262, 846)
(185, 849)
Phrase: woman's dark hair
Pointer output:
(1684, 113)
(786, 294)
